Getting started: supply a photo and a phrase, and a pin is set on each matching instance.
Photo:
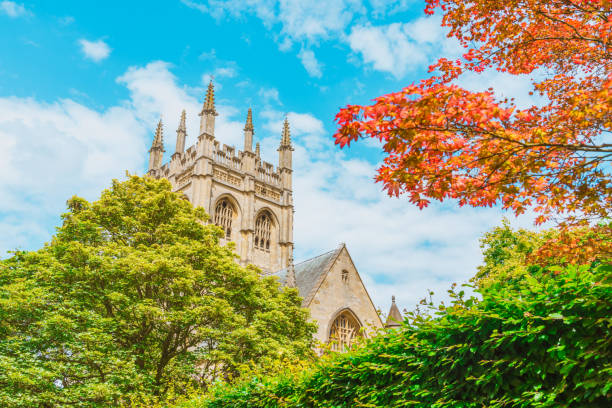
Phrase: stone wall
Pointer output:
(337, 294)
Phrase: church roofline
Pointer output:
(334, 253)
(315, 257)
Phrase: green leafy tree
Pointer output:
(506, 251)
(135, 296)
(534, 337)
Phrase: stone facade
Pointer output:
(252, 201)
(342, 291)
(255, 195)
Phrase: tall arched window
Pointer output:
(263, 225)
(224, 213)
(343, 331)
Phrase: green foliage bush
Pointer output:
(133, 298)
(533, 337)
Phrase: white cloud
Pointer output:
(300, 123)
(222, 68)
(208, 55)
(397, 248)
(395, 48)
(263, 9)
(67, 20)
(52, 151)
(504, 86)
(302, 21)
(222, 72)
(13, 10)
(310, 62)
(195, 5)
(270, 95)
(226, 72)
(206, 78)
(401, 48)
(95, 50)
(382, 8)
(154, 90)
(309, 19)
(299, 19)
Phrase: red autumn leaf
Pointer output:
(442, 141)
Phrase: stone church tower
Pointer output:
(249, 198)
(252, 201)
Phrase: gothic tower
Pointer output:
(250, 199)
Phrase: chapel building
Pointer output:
(252, 201)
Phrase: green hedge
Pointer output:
(542, 339)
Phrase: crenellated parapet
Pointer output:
(226, 156)
(259, 194)
(224, 159)
(220, 155)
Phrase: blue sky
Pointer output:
(82, 88)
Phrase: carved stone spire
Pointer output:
(249, 121)
(157, 148)
(181, 134)
(248, 132)
(394, 319)
(290, 281)
(286, 136)
(208, 113)
(284, 151)
(158, 140)
(257, 150)
(209, 102)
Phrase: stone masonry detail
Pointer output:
(238, 183)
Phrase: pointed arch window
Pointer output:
(343, 332)
(263, 226)
(224, 213)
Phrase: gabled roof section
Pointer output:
(309, 273)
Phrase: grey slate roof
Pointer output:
(308, 273)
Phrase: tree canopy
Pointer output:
(445, 142)
(534, 337)
(134, 296)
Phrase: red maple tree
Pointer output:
(443, 141)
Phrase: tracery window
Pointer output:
(343, 332)
(263, 225)
(224, 213)
(345, 275)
